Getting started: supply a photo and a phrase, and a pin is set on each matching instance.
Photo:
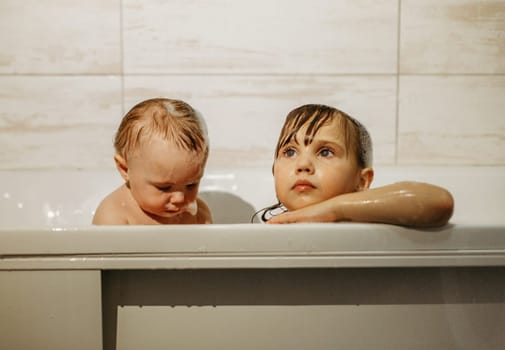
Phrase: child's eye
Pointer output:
(164, 188)
(326, 152)
(191, 186)
(289, 152)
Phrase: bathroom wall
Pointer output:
(426, 76)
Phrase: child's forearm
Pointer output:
(404, 203)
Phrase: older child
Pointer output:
(161, 149)
(323, 171)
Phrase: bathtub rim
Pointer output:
(251, 246)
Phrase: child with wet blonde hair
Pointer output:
(323, 172)
(161, 149)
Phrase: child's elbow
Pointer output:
(443, 208)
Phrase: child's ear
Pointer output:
(365, 179)
(121, 166)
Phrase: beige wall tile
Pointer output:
(58, 122)
(246, 64)
(263, 36)
(245, 114)
(452, 36)
(452, 120)
(57, 36)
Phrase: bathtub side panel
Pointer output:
(50, 310)
(317, 309)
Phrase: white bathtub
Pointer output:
(66, 284)
(69, 198)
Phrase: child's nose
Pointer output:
(304, 164)
(177, 197)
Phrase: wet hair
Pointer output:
(358, 142)
(173, 120)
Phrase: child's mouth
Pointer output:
(303, 186)
(172, 212)
(191, 208)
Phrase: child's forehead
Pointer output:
(166, 157)
(158, 146)
(167, 172)
(157, 143)
(332, 129)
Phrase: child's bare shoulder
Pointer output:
(111, 210)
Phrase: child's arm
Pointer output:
(404, 203)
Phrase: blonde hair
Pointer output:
(357, 139)
(173, 120)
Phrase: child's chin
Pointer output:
(164, 214)
(301, 204)
(171, 214)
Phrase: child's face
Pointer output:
(323, 169)
(163, 178)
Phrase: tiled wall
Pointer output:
(426, 76)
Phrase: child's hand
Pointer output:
(320, 212)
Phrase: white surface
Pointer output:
(314, 327)
(69, 198)
(250, 246)
(244, 65)
(335, 273)
(46, 218)
(57, 310)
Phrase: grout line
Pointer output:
(42, 75)
(294, 75)
(453, 74)
(304, 75)
(398, 57)
(121, 50)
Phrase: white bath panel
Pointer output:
(318, 327)
(69, 198)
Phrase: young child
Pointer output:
(323, 171)
(161, 148)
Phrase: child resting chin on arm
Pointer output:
(323, 171)
(161, 149)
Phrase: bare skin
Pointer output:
(120, 208)
(161, 187)
(405, 203)
(321, 182)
